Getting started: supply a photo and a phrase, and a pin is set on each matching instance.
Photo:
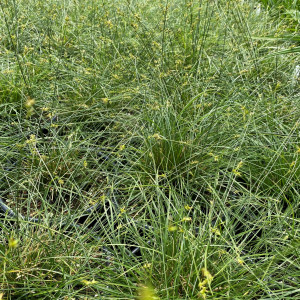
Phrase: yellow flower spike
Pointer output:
(85, 164)
(122, 147)
(236, 173)
(147, 293)
(83, 105)
(202, 293)
(207, 275)
(240, 164)
(60, 181)
(181, 229)
(222, 252)
(216, 231)
(156, 136)
(29, 103)
(216, 157)
(105, 100)
(120, 226)
(109, 24)
(162, 175)
(298, 149)
(87, 282)
(13, 243)
(50, 115)
(172, 228)
(187, 207)
(147, 265)
(92, 201)
(202, 283)
(240, 261)
(186, 219)
(236, 170)
(135, 25)
(32, 139)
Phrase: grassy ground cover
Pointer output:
(177, 119)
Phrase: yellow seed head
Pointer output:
(207, 275)
(157, 136)
(202, 293)
(60, 181)
(13, 243)
(87, 282)
(105, 100)
(172, 228)
(32, 139)
(240, 164)
(29, 103)
(187, 207)
(216, 231)
(236, 172)
(147, 293)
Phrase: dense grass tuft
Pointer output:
(179, 120)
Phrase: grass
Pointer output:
(175, 111)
